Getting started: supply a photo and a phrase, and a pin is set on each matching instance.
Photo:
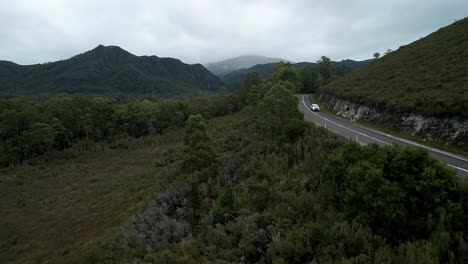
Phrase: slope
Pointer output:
(427, 76)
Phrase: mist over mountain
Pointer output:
(110, 71)
(226, 66)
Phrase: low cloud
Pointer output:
(208, 30)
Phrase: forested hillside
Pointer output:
(235, 79)
(108, 71)
(255, 185)
(428, 76)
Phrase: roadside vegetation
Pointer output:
(256, 186)
(325, 106)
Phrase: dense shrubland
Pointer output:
(271, 189)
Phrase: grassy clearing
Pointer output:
(52, 209)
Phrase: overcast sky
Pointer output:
(36, 31)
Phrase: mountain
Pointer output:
(235, 79)
(110, 71)
(428, 76)
(226, 66)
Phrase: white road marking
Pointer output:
(357, 132)
(458, 168)
(396, 138)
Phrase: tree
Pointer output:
(60, 134)
(286, 72)
(376, 55)
(401, 193)
(38, 139)
(252, 79)
(280, 113)
(309, 79)
(388, 51)
(200, 156)
(325, 69)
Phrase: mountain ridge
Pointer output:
(110, 71)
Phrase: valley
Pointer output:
(323, 151)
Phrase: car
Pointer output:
(315, 107)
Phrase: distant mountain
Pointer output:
(110, 71)
(235, 79)
(226, 66)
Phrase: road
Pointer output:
(365, 135)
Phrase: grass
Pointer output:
(60, 211)
(49, 211)
(325, 106)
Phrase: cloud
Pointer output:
(34, 31)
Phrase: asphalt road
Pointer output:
(365, 135)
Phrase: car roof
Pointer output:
(314, 104)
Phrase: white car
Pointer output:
(315, 107)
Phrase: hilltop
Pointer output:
(226, 66)
(428, 76)
(110, 71)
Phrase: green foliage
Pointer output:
(32, 129)
(279, 113)
(401, 193)
(251, 80)
(310, 78)
(325, 69)
(227, 199)
(200, 156)
(224, 209)
(427, 76)
(286, 73)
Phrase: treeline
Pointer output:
(31, 129)
(272, 189)
(305, 80)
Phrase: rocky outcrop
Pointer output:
(451, 130)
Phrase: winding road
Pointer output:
(365, 135)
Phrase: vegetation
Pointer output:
(262, 186)
(325, 69)
(235, 79)
(109, 71)
(427, 76)
(29, 130)
(53, 212)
